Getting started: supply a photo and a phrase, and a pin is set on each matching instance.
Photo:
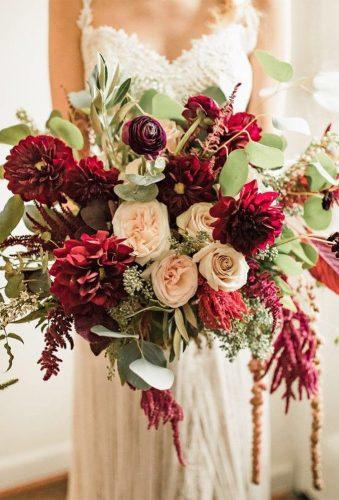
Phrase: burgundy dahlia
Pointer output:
(200, 103)
(89, 271)
(144, 135)
(249, 223)
(36, 168)
(90, 181)
(188, 180)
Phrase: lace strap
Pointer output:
(248, 17)
(86, 15)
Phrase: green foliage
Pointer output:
(165, 107)
(133, 192)
(273, 67)
(315, 216)
(4, 385)
(10, 216)
(15, 285)
(66, 131)
(288, 265)
(234, 173)
(147, 100)
(322, 173)
(264, 157)
(55, 113)
(273, 141)
(12, 135)
(215, 93)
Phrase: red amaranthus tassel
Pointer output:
(257, 368)
(294, 357)
(161, 405)
(56, 337)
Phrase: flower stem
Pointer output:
(188, 134)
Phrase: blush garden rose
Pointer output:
(223, 267)
(145, 227)
(196, 219)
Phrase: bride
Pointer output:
(178, 50)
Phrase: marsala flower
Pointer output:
(89, 271)
(36, 168)
(249, 223)
(144, 135)
(188, 180)
(237, 122)
(203, 103)
(90, 181)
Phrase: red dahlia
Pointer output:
(188, 180)
(217, 309)
(90, 181)
(36, 168)
(89, 271)
(249, 223)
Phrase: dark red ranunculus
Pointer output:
(90, 181)
(144, 135)
(36, 168)
(249, 223)
(89, 271)
(203, 103)
(188, 180)
(236, 123)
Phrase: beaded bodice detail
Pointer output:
(216, 59)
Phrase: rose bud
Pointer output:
(203, 103)
(144, 135)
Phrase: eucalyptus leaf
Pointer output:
(292, 124)
(55, 113)
(273, 140)
(144, 180)
(215, 93)
(263, 156)
(285, 287)
(12, 135)
(288, 303)
(288, 265)
(38, 282)
(273, 67)
(234, 173)
(165, 107)
(132, 192)
(67, 131)
(312, 254)
(156, 376)
(15, 285)
(315, 216)
(126, 355)
(146, 101)
(102, 331)
(10, 216)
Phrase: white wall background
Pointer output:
(35, 416)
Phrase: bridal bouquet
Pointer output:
(153, 225)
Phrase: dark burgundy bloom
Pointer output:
(161, 406)
(89, 317)
(217, 309)
(90, 181)
(249, 223)
(200, 103)
(89, 271)
(188, 180)
(294, 357)
(36, 168)
(334, 239)
(144, 135)
(240, 121)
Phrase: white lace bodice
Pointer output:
(216, 59)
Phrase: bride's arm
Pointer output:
(65, 62)
(274, 36)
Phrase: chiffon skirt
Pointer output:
(115, 457)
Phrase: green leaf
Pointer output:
(288, 265)
(322, 173)
(102, 331)
(153, 353)
(121, 92)
(1, 171)
(156, 376)
(165, 107)
(55, 113)
(15, 337)
(315, 216)
(126, 355)
(12, 135)
(146, 101)
(31, 316)
(263, 156)
(288, 303)
(10, 356)
(234, 173)
(179, 321)
(144, 180)
(215, 93)
(8, 383)
(132, 192)
(177, 343)
(273, 67)
(15, 285)
(273, 141)
(10, 216)
(67, 131)
(189, 315)
(311, 253)
(285, 287)
(38, 282)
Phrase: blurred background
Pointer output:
(35, 416)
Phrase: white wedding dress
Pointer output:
(115, 456)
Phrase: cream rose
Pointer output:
(173, 134)
(174, 279)
(145, 227)
(196, 219)
(223, 267)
